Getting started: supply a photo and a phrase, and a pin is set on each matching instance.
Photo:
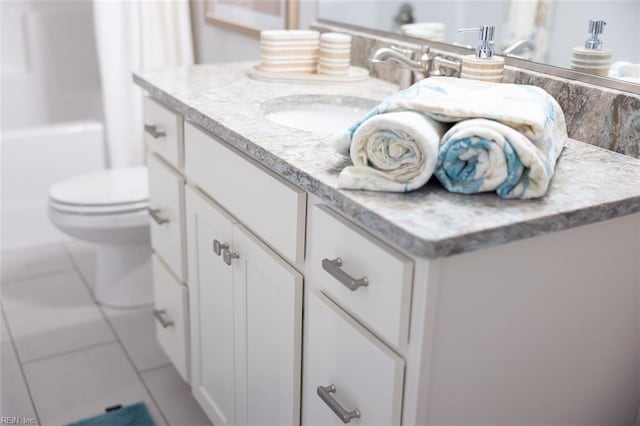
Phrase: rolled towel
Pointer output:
(393, 152)
(482, 155)
(527, 111)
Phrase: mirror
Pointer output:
(539, 31)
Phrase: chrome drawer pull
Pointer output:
(161, 316)
(218, 247)
(154, 131)
(227, 256)
(324, 392)
(155, 215)
(333, 268)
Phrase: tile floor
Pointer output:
(64, 357)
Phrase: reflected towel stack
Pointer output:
(433, 31)
(289, 51)
(625, 71)
(335, 54)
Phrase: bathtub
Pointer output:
(32, 160)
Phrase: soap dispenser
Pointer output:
(483, 65)
(592, 58)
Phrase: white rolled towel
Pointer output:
(395, 151)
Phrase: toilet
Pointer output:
(108, 208)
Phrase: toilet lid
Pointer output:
(103, 188)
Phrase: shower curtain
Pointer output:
(135, 35)
(528, 20)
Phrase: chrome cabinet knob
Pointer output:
(218, 247)
(228, 256)
(162, 317)
(324, 392)
(154, 131)
(155, 215)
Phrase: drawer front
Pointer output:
(171, 312)
(166, 195)
(383, 305)
(271, 208)
(163, 132)
(365, 374)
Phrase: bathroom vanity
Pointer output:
(283, 300)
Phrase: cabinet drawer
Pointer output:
(163, 132)
(366, 375)
(166, 195)
(383, 305)
(273, 209)
(172, 313)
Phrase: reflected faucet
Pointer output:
(518, 49)
(404, 16)
(416, 64)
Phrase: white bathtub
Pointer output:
(33, 159)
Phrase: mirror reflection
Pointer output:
(554, 32)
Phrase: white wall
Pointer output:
(49, 65)
(218, 44)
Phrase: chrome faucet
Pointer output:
(417, 64)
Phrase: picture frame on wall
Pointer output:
(252, 16)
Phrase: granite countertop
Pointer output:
(590, 185)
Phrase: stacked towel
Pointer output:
(507, 137)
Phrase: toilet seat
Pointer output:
(98, 210)
(109, 209)
(107, 192)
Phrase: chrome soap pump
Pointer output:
(592, 58)
(483, 65)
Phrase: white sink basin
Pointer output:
(317, 113)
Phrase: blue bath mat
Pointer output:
(131, 415)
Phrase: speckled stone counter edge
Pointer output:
(599, 116)
(380, 226)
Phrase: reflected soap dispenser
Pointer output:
(483, 65)
(592, 58)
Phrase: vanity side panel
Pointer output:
(540, 331)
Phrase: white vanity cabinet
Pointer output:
(246, 322)
(542, 329)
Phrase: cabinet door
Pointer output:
(211, 304)
(359, 375)
(268, 330)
